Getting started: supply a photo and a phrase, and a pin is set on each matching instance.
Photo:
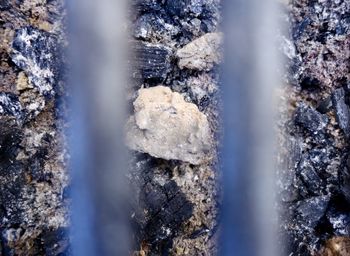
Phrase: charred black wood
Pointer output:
(151, 61)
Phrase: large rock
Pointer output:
(165, 126)
(202, 53)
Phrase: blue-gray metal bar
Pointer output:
(98, 159)
(248, 216)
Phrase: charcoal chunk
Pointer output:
(310, 178)
(14, 181)
(177, 7)
(299, 28)
(197, 7)
(167, 208)
(154, 198)
(10, 138)
(168, 219)
(341, 110)
(141, 6)
(340, 222)
(319, 158)
(311, 210)
(154, 26)
(294, 153)
(325, 105)
(310, 84)
(191, 8)
(4, 5)
(343, 25)
(310, 119)
(159, 206)
(345, 180)
(56, 241)
(151, 61)
(143, 27)
(287, 187)
(37, 52)
(10, 105)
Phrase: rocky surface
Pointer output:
(175, 208)
(33, 172)
(202, 53)
(165, 126)
(176, 199)
(164, 120)
(37, 53)
(314, 120)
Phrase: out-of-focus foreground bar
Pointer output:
(248, 80)
(99, 193)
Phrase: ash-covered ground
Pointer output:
(33, 171)
(314, 149)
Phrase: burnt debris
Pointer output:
(314, 174)
(310, 119)
(38, 53)
(32, 159)
(166, 211)
(160, 208)
(10, 105)
(151, 61)
(11, 136)
(341, 110)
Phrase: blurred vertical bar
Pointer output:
(249, 80)
(97, 54)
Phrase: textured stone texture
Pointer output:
(37, 52)
(310, 119)
(165, 126)
(202, 53)
(314, 167)
(33, 173)
(170, 25)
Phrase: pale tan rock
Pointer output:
(202, 53)
(166, 126)
(22, 82)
